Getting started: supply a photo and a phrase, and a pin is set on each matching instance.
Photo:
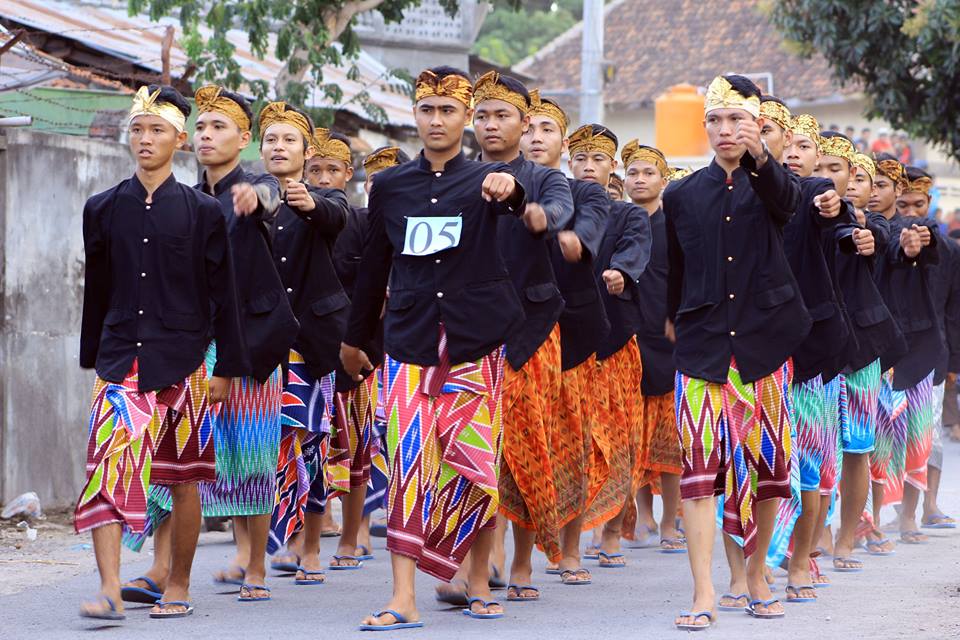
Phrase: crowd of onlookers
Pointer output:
(894, 143)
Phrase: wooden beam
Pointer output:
(165, 54)
(17, 37)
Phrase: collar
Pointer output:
(135, 188)
(224, 183)
(453, 163)
(718, 173)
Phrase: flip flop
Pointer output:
(565, 575)
(223, 580)
(552, 571)
(345, 567)
(520, 588)
(672, 541)
(726, 607)
(603, 555)
(912, 537)
(873, 547)
(496, 582)
(481, 616)
(176, 614)
(378, 530)
(401, 622)
(365, 555)
(645, 540)
(331, 534)
(848, 560)
(750, 609)
(286, 567)
(109, 614)
(939, 521)
(815, 575)
(306, 580)
(591, 553)
(251, 588)
(695, 627)
(141, 595)
(796, 593)
(456, 599)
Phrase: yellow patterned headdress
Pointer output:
(276, 112)
(865, 162)
(773, 110)
(584, 140)
(923, 184)
(678, 173)
(209, 99)
(549, 109)
(893, 170)
(839, 147)
(452, 86)
(382, 159)
(488, 87)
(326, 147)
(722, 95)
(145, 104)
(806, 125)
(634, 151)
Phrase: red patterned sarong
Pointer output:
(348, 464)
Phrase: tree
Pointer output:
(904, 53)
(510, 34)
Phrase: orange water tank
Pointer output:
(678, 118)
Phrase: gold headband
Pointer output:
(208, 99)
(893, 170)
(634, 151)
(452, 86)
(326, 147)
(145, 104)
(539, 107)
(583, 140)
(773, 110)
(382, 159)
(722, 95)
(865, 162)
(923, 184)
(678, 173)
(806, 125)
(277, 113)
(839, 147)
(488, 87)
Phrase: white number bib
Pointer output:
(425, 236)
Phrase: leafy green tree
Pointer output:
(510, 34)
(904, 53)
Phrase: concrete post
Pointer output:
(591, 63)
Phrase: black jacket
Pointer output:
(302, 252)
(945, 277)
(158, 283)
(656, 351)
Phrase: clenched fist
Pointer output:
(570, 246)
(498, 186)
(535, 218)
(245, 199)
(828, 203)
(298, 197)
(614, 281)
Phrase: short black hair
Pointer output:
(240, 100)
(171, 96)
(915, 173)
(743, 85)
(880, 157)
(768, 98)
(516, 86)
(445, 70)
(600, 130)
(342, 138)
(835, 134)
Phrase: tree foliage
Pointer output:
(904, 53)
(511, 34)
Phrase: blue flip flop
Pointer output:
(939, 521)
(645, 540)
(732, 596)
(286, 567)
(110, 614)
(401, 622)
(366, 555)
(520, 588)
(141, 595)
(750, 609)
(236, 581)
(591, 553)
(553, 572)
(873, 545)
(345, 567)
(847, 560)
(666, 541)
(603, 555)
(254, 587)
(481, 616)
(177, 614)
(796, 592)
(306, 580)
(695, 627)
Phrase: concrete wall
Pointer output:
(44, 395)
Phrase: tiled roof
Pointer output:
(654, 44)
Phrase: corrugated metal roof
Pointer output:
(138, 40)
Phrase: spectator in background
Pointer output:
(863, 142)
(882, 144)
(902, 149)
(851, 133)
(834, 127)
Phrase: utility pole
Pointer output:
(591, 63)
(165, 46)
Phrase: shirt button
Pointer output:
(148, 207)
(728, 218)
(146, 240)
(143, 274)
(280, 228)
(437, 261)
(438, 174)
(289, 290)
(913, 264)
(733, 333)
(309, 218)
(433, 200)
(139, 344)
(439, 294)
(283, 259)
(729, 258)
(732, 296)
(140, 312)
(729, 187)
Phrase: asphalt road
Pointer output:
(913, 594)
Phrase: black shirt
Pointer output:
(527, 257)
(905, 284)
(730, 289)
(656, 351)
(625, 248)
(583, 322)
(466, 287)
(158, 283)
(302, 251)
(269, 326)
(945, 278)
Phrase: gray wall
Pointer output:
(44, 395)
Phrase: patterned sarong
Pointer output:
(350, 441)
(661, 446)
(890, 406)
(531, 401)
(834, 395)
(619, 425)
(735, 440)
(124, 429)
(860, 424)
(444, 438)
(577, 477)
(379, 464)
(936, 446)
(913, 436)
